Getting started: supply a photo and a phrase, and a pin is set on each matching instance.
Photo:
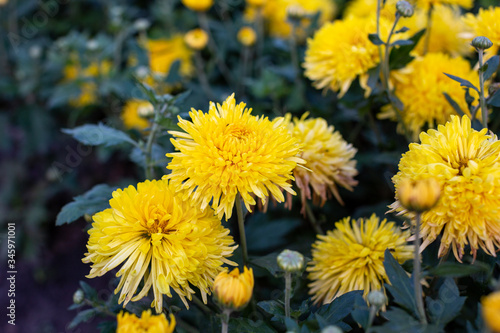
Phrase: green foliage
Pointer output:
(96, 135)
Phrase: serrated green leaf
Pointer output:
(450, 269)
(463, 82)
(399, 321)
(245, 325)
(491, 66)
(340, 308)
(454, 104)
(401, 287)
(400, 56)
(82, 317)
(96, 135)
(375, 39)
(92, 201)
(447, 306)
(89, 292)
(272, 307)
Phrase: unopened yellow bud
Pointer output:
(196, 39)
(247, 36)
(491, 311)
(419, 195)
(198, 5)
(234, 290)
(290, 261)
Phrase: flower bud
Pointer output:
(377, 298)
(491, 309)
(331, 329)
(35, 51)
(290, 261)
(87, 218)
(295, 13)
(481, 43)
(234, 290)
(78, 296)
(247, 36)
(418, 195)
(92, 45)
(196, 39)
(404, 8)
(141, 24)
(198, 5)
(145, 109)
(142, 72)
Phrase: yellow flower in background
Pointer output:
(234, 290)
(229, 151)
(419, 195)
(448, 31)
(465, 162)
(275, 14)
(196, 39)
(485, 23)
(491, 311)
(328, 157)
(425, 4)
(85, 78)
(198, 5)
(135, 112)
(368, 8)
(420, 88)
(247, 36)
(256, 3)
(164, 52)
(148, 323)
(351, 257)
(157, 236)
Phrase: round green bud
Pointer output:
(290, 261)
(377, 298)
(78, 296)
(482, 43)
(331, 329)
(404, 8)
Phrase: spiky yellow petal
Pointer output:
(148, 323)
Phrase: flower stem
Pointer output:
(378, 27)
(241, 226)
(373, 312)
(416, 272)
(288, 291)
(148, 167)
(225, 320)
(428, 30)
(484, 110)
(312, 219)
(202, 77)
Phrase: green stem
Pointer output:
(201, 305)
(225, 320)
(148, 168)
(416, 272)
(295, 61)
(484, 110)
(312, 219)
(202, 77)
(378, 27)
(288, 292)
(371, 318)
(241, 226)
(428, 30)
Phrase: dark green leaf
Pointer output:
(375, 39)
(400, 56)
(463, 82)
(400, 321)
(402, 42)
(157, 156)
(94, 200)
(291, 325)
(82, 317)
(340, 308)
(174, 73)
(495, 99)
(268, 262)
(454, 104)
(107, 327)
(96, 135)
(272, 307)
(361, 312)
(401, 287)
(373, 77)
(245, 325)
(447, 306)
(396, 102)
(450, 269)
(267, 235)
(491, 67)
(403, 29)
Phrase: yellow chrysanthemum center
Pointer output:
(148, 323)
(154, 234)
(227, 152)
(466, 164)
(351, 257)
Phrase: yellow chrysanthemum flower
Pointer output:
(134, 114)
(247, 36)
(148, 323)
(420, 87)
(196, 39)
(485, 23)
(367, 8)
(229, 151)
(425, 4)
(491, 311)
(88, 88)
(157, 235)
(275, 14)
(198, 5)
(234, 290)
(466, 164)
(351, 257)
(164, 52)
(328, 157)
(448, 31)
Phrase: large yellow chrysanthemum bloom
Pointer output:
(134, 114)
(234, 290)
(275, 14)
(229, 151)
(425, 4)
(367, 8)
(420, 88)
(486, 23)
(164, 52)
(491, 311)
(351, 257)
(157, 235)
(466, 164)
(88, 88)
(328, 157)
(448, 31)
(148, 323)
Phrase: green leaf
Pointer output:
(96, 135)
(373, 77)
(267, 235)
(375, 39)
(495, 99)
(398, 320)
(490, 67)
(454, 104)
(403, 42)
(403, 29)
(272, 307)
(463, 82)
(268, 262)
(401, 287)
(361, 312)
(245, 325)
(400, 56)
(447, 306)
(82, 317)
(340, 308)
(94, 200)
(451, 269)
